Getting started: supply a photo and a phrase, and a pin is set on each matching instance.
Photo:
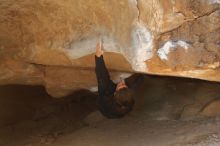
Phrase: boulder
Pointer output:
(52, 43)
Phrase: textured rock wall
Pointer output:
(51, 42)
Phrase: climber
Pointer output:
(115, 100)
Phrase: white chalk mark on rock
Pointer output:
(86, 46)
(142, 48)
(171, 46)
(214, 1)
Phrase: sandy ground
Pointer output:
(139, 131)
(167, 113)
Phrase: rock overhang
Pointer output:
(51, 43)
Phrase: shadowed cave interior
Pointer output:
(29, 116)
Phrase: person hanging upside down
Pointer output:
(114, 100)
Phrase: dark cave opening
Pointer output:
(29, 110)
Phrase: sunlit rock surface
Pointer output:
(51, 42)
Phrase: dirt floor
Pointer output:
(168, 112)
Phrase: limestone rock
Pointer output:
(51, 43)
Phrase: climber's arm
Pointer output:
(102, 74)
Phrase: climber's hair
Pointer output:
(124, 101)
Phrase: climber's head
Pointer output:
(124, 98)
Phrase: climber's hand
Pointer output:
(99, 49)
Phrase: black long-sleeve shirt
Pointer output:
(106, 89)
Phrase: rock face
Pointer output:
(51, 43)
(212, 109)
